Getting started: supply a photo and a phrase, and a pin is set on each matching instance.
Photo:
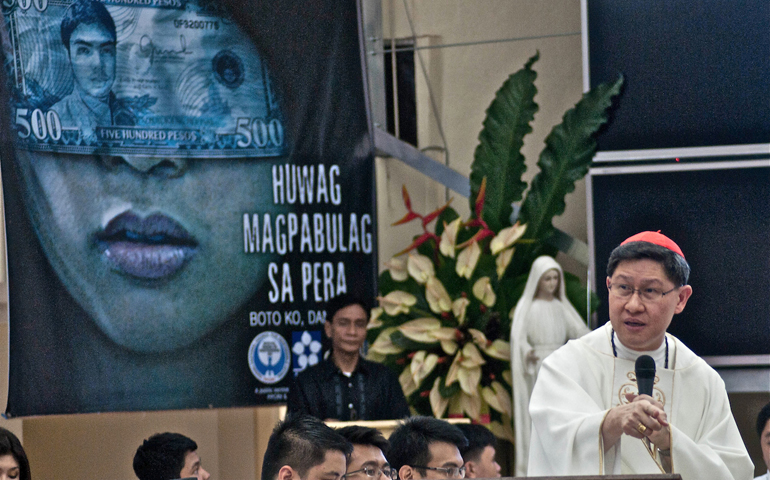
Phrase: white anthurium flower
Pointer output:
(503, 260)
(503, 397)
(499, 349)
(407, 382)
(470, 404)
(397, 268)
(375, 357)
(397, 302)
(422, 364)
(482, 290)
(420, 329)
(374, 318)
(498, 398)
(449, 346)
(420, 267)
(449, 238)
(467, 260)
(459, 307)
(502, 430)
(508, 377)
(383, 345)
(437, 296)
(507, 237)
(447, 336)
(489, 396)
(454, 368)
(444, 333)
(438, 403)
(471, 357)
(478, 337)
(469, 379)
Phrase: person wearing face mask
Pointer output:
(345, 386)
(543, 321)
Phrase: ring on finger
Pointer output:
(641, 428)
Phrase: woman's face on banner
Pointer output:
(151, 248)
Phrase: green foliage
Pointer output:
(568, 153)
(578, 295)
(434, 344)
(498, 156)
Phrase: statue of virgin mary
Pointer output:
(543, 321)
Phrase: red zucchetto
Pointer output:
(657, 238)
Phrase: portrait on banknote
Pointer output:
(187, 183)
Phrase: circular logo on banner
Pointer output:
(269, 357)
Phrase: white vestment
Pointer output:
(541, 326)
(581, 381)
(763, 477)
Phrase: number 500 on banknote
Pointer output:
(139, 77)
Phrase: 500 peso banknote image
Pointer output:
(140, 77)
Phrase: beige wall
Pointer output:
(464, 80)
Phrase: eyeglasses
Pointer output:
(374, 472)
(450, 472)
(625, 292)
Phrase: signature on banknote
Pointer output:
(147, 47)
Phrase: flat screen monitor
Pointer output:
(697, 73)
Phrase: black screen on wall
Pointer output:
(721, 220)
(697, 71)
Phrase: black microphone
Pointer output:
(645, 374)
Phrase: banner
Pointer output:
(187, 184)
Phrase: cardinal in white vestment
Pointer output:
(587, 417)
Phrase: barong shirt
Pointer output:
(372, 392)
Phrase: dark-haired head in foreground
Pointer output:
(479, 455)
(13, 459)
(763, 430)
(168, 456)
(367, 462)
(304, 448)
(426, 447)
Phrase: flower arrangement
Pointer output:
(444, 315)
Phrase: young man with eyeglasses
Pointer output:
(587, 417)
(427, 447)
(367, 462)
